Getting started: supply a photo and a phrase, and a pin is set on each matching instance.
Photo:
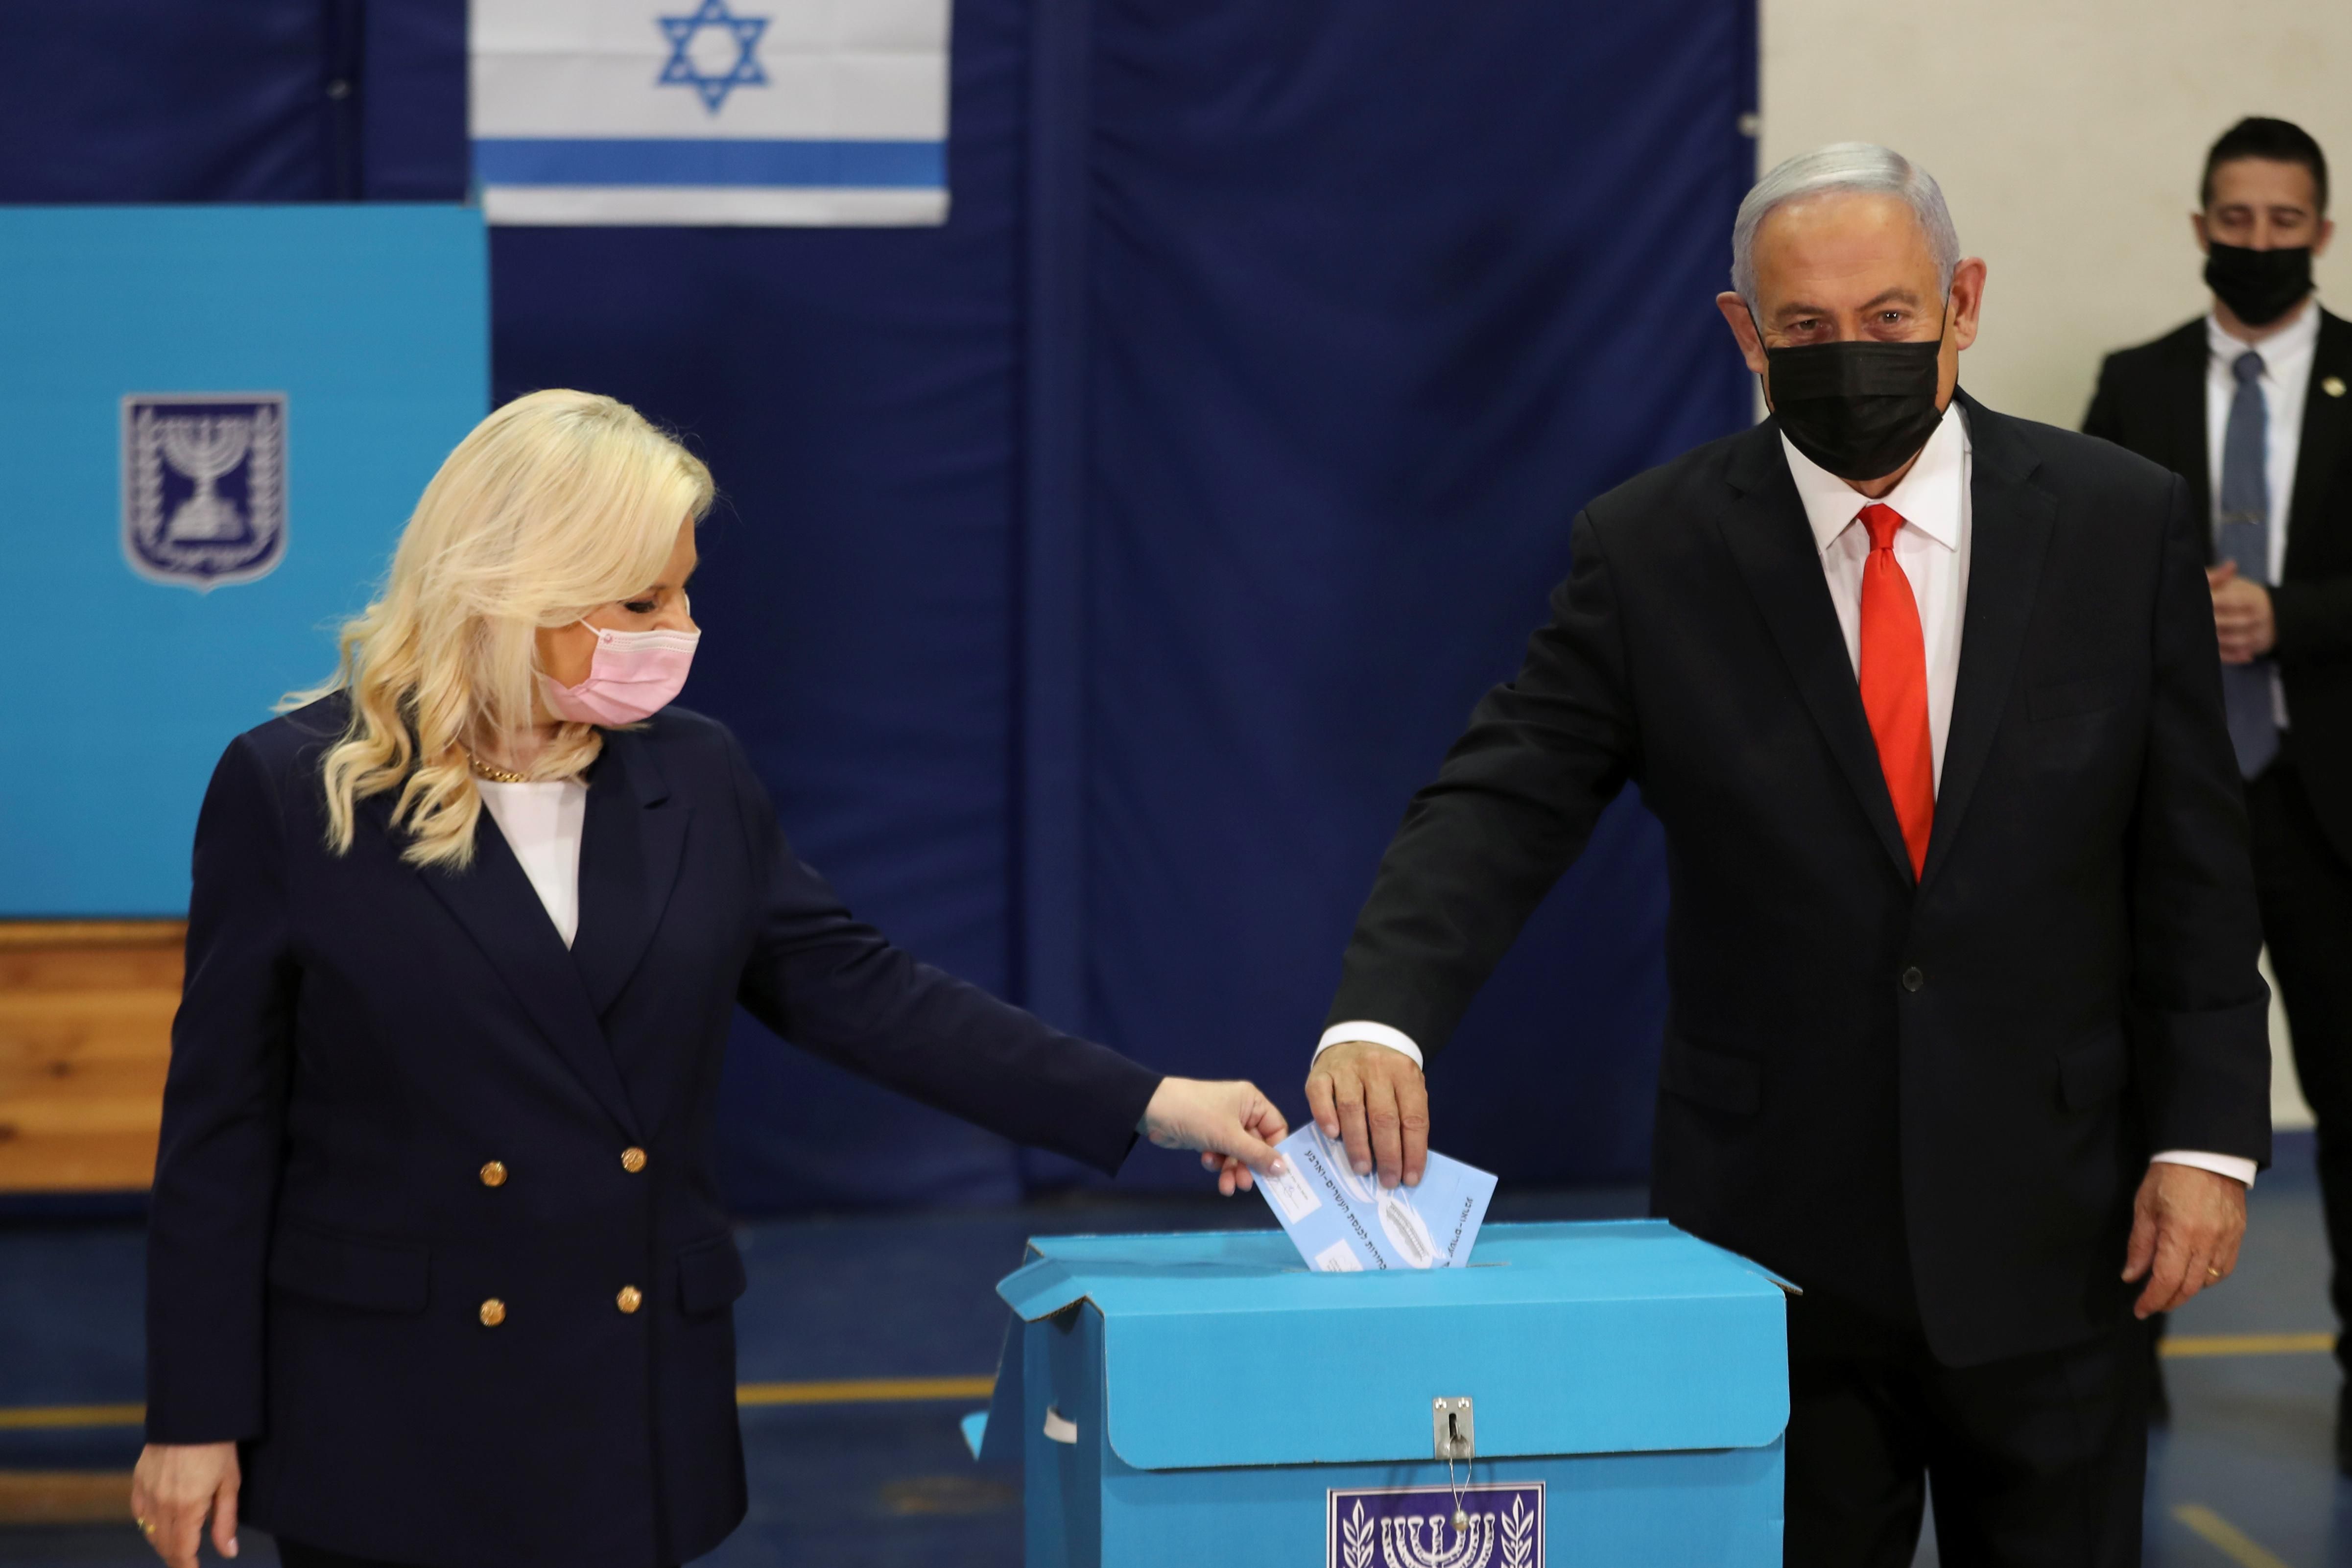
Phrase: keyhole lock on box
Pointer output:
(1457, 1434)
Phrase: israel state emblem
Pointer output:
(203, 486)
(1501, 1526)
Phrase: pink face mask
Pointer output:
(634, 675)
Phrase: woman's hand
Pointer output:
(1233, 1125)
(175, 1485)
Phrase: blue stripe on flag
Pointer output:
(676, 161)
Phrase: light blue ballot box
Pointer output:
(1610, 1394)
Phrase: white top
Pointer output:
(541, 823)
(1932, 548)
(2287, 357)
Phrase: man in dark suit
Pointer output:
(1962, 948)
(2248, 404)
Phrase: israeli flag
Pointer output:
(711, 112)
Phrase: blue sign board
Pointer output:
(214, 421)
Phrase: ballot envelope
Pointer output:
(1586, 1393)
(1343, 1220)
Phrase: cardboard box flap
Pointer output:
(996, 1440)
(1223, 1350)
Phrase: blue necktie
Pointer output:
(2245, 538)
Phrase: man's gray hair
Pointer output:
(1845, 167)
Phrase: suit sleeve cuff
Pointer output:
(2230, 1165)
(1139, 1087)
(1371, 1033)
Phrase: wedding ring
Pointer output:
(2212, 1274)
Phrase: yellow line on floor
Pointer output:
(843, 1391)
(2248, 1344)
(865, 1391)
(22, 1417)
(904, 1390)
(2226, 1538)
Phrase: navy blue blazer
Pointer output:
(437, 1233)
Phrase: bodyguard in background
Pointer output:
(2249, 404)
(1965, 1030)
(438, 1273)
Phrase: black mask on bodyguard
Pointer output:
(1861, 410)
(2258, 286)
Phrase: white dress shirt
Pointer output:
(1932, 548)
(2287, 356)
(542, 822)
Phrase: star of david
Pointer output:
(680, 68)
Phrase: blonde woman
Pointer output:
(439, 1275)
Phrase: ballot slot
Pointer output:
(1494, 1263)
(1059, 1429)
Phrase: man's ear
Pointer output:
(1967, 299)
(1743, 328)
(2327, 233)
(2197, 227)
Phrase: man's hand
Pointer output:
(174, 1486)
(1233, 1125)
(2186, 1226)
(1373, 1099)
(2242, 615)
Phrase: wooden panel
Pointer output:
(66, 1497)
(85, 1037)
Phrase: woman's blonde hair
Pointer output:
(557, 502)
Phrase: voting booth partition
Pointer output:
(213, 420)
(1590, 1393)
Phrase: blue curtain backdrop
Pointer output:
(1099, 573)
(1382, 294)
(144, 100)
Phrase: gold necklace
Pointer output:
(496, 775)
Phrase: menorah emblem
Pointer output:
(1402, 1547)
(1411, 1526)
(203, 486)
(204, 446)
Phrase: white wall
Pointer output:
(2068, 136)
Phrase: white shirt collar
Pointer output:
(1929, 498)
(2298, 339)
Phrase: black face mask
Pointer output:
(1861, 410)
(2258, 286)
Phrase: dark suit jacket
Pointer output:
(358, 1039)
(1932, 1098)
(2151, 400)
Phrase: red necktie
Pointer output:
(1895, 683)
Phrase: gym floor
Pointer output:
(863, 1339)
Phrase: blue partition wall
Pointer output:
(127, 681)
(1099, 574)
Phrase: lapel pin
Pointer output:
(2332, 386)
